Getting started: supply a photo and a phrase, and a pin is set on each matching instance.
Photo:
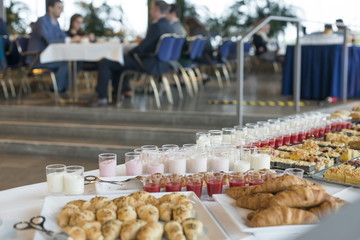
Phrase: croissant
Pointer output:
(174, 231)
(165, 211)
(254, 201)
(129, 230)
(193, 228)
(326, 208)
(148, 213)
(280, 184)
(127, 213)
(275, 216)
(236, 192)
(150, 231)
(298, 196)
(76, 233)
(105, 214)
(111, 229)
(93, 230)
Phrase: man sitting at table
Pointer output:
(110, 69)
(46, 31)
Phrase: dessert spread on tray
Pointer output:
(136, 216)
(348, 173)
(286, 200)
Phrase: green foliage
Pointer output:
(98, 20)
(14, 20)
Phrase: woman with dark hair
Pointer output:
(194, 28)
(75, 29)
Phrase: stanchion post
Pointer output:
(345, 66)
(297, 68)
(240, 80)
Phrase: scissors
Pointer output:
(37, 223)
(93, 179)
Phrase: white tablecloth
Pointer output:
(83, 52)
(22, 203)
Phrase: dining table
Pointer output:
(22, 203)
(85, 51)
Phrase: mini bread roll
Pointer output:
(98, 202)
(128, 201)
(169, 197)
(77, 218)
(130, 229)
(93, 230)
(165, 211)
(174, 231)
(65, 213)
(126, 214)
(181, 212)
(152, 200)
(76, 233)
(150, 231)
(111, 229)
(78, 203)
(148, 213)
(193, 228)
(82, 205)
(182, 199)
(142, 195)
(105, 214)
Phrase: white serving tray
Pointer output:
(52, 206)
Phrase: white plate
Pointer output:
(239, 214)
(52, 205)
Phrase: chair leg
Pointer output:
(178, 85)
(226, 74)
(199, 76)
(218, 76)
(87, 80)
(155, 90)
(3, 85)
(12, 87)
(55, 86)
(193, 80)
(187, 82)
(110, 98)
(169, 96)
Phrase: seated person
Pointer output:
(265, 48)
(112, 70)
(46, 31)
(75, 29)
(173, 18)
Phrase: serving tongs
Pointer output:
(130, 183)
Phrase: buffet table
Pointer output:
(24, 202)
(321, 73)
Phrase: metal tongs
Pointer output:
(131, 183)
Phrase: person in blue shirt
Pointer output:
(112, 70)
(46, 31)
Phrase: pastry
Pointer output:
(275, 216)
(193, 228)
(77, 218)
(98, 202)
(279, 184)
(148, 213)
(165, 211)
(150, 231)
(254, 201)
(236, 192)
(298, 197)
(93, 230)
(181, 212)
(174, 231)
(326, 208)
(76, 233)
(105, 214)
(126, 214)
(65, 213)
(111, 229)
(129, 229)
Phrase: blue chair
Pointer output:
(164, 53)
(29, 69)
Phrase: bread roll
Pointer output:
(275, 216)
(148, 213)
(93, 230)
(98, 202)
(76, 233)
(77, 218)
(193, 228)
(126, 214)
(129, 229)
(111, 229)
(165, 211)
(105, 214)
(181, 212)
(150, 231)
(174, 231)
(65, 213)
